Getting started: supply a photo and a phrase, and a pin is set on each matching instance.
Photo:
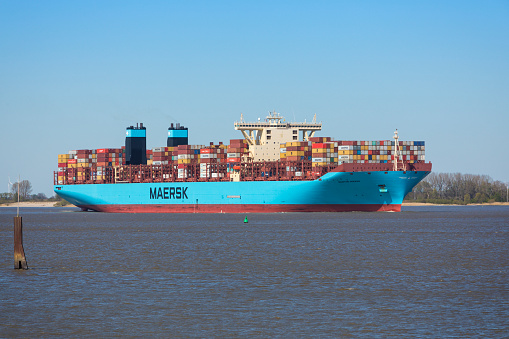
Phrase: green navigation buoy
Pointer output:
(245, 220)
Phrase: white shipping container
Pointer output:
(282, 150)
(214, 175)
(319, 160)
(345, 147)
(298, 174)
(233, 155)
(158, 149)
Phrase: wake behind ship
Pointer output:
(277, 167)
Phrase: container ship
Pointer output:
(277, 166)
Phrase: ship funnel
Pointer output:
(177, 136)
(136, 145)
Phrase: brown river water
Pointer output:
(427, 272)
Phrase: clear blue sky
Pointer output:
(75, 74)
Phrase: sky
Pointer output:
(75, 74)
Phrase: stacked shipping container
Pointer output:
(210, 157)
(76, 165)
(379, 151)
(216, 161)
(236, 150)
(163, 155)
(296, 151)
(324, 153)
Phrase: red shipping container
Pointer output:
(205, 151)
(233, 159)
(319, 145)
(72, 161)
(237, 141)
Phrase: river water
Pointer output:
(424, 272)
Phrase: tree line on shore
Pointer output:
(457, 188)
(25, 194)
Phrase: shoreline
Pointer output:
(405, 204)
(33, 204)
(430, 204)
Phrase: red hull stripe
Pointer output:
(241, 208)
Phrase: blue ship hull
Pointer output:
(333, 192)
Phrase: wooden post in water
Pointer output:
(20, 261)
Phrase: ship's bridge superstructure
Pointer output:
(264, 137)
